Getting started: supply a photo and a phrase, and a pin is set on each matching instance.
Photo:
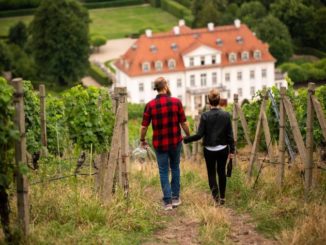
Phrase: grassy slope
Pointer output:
(114, 22)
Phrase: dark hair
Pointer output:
(159, 84)
(214, 97)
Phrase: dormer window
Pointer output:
(153, 48)
(171, 64)
(219, 42)
(146, 66)
(174, 46)
(158, 65)
(213, 59)
(202, 60)
(239, 40)
(232, 57)
(257, 54)
(245, 55)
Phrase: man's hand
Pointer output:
(185, 127)
(144, 144)
(231, 155)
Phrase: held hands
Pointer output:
(143, 144)
(231, 155)
(186, 139)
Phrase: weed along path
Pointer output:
(197, 220)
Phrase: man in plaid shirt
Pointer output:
(166, 115)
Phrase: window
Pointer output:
(227, 77)
(245, 56)
(232, 57)
(214, 78)
(252, 74)
(219, 42)
(146, 66)
(203, 80)
(158, 65)
(239, 75)
(141, 87)
(257, 54)
(228, 93)
(192, 80)
(191, 61)
(202, 60)
(240, 92)
(213, 59)
(171, 64)
(179, 83)
(252, 91)
(263, 73)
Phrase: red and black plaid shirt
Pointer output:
(166, 114)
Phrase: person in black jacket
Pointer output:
(215, 126)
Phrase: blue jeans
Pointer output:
(165, 159)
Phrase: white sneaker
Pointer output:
(176, 202)
(167, 206)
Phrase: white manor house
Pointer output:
(230, 58)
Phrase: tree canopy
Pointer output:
(60, 42)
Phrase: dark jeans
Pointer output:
(165, 159)
(215, 163)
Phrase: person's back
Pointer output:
(166, 114)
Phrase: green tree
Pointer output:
(250, 12)
(318, 23)
(22, 64)
(297, 17)
(60, 40)
(97, 42)
(274, 32)
(5, 57)
(18, 34)
(209, 13)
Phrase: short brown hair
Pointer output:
(214, 97)
(159, 84)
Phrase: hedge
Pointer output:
(113, 4)
(177, 10)
(89, 5)
(186, 3)
(310, 51)
(155, 3)
(96, 73)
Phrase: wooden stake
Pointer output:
(43, 116)
(280, 177)
(309, 138)
(235, 126)
(244, 125)
(254, 148)
(320, 114)
(20, 157)
(110, 166)
(295, 129)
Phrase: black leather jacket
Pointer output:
(216, 128)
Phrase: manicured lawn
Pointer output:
(115, 22)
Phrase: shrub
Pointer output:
(176, 9)
(96, 73)
(97, 42)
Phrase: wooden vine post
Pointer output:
(262, 123)
(43, 116)
(117, 163)
(20, 157)
(235, 125)
(122, 93)
(309, 137)
(281, 144)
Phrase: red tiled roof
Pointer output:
(187, 41)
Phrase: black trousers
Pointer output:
(215, 163)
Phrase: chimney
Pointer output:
(148, 32)
(237, 23)
(210, 26)
(182, 23)
(176, 30)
